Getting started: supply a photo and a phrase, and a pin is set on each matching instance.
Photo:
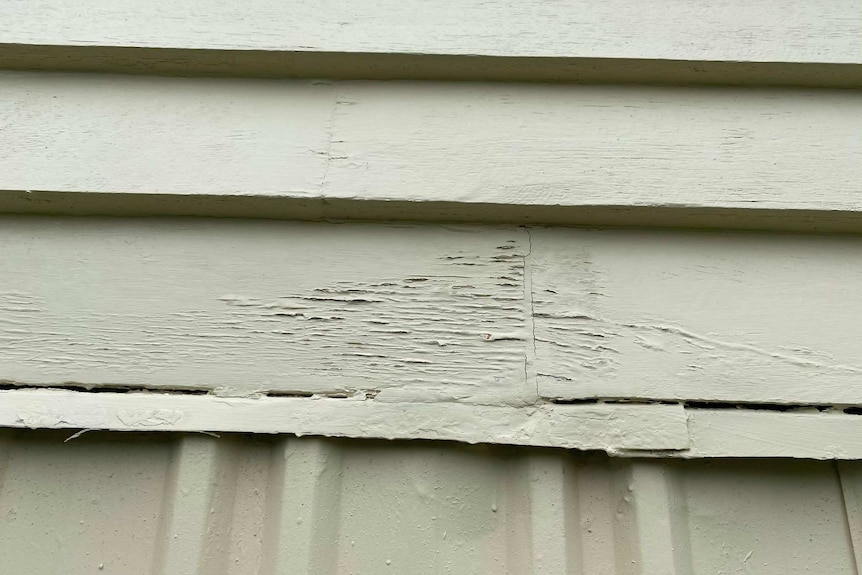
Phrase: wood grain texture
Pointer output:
(759, 433)
(564, 154)
(418, 312)
(700, 316)
(733, 30)
(429, 312)
(164, 135)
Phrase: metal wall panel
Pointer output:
(127, 503)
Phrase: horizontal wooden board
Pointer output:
(417, 312)
(243, 307)
(419, 150)
(748, 433)
(700, 316)
(732, 30)
(168, 136)
(591, 427)
(663, 431)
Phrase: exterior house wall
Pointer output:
(598, 260)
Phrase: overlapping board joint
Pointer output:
(581, 339)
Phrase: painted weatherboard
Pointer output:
(731, 30)
(651, 343)
(509, 334)
(157, 504)
(692, 156)
(430, 312)
(249, 369)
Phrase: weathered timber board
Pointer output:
(699, 316)
(733, 30)
(244, 307)
(609, 428)
(578, 154)
(420, 312)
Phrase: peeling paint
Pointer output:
(685, 316)
(244, 312)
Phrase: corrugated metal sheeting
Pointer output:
(127, 503)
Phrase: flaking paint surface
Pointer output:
(429, 313)
(257, 307)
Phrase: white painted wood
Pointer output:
(653, 500)
(530, 145)
(427, 313)
(611, 428)
(415, 312)
(734, 30)
(628, 430)
(697, 316)
(755, 433)
(538, 150)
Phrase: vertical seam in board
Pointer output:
(847, 526)
(530, 351)
(327, 157)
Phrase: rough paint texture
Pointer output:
(250, 307)
(721, 317)
(464, 333)
(735, 30)
(429, 312)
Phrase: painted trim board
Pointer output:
(664, 431)
(598, 427)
